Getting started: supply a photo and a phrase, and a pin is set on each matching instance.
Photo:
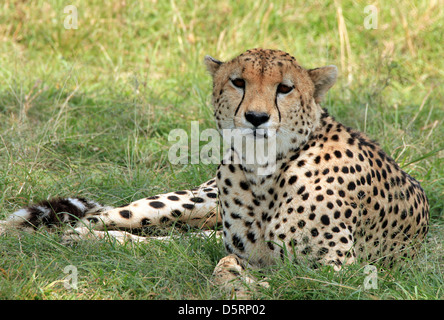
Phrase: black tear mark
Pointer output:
(237, 109)
(277, 108)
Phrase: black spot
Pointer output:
(237, 242)
(93, 220)
(125, 214)
(157, 204)
(322, 251)
(335, 137)
(338, 154)
(349, 153)
(228, 182)
(271, 205)
(319, 197)
(351, 141)
(212, 195)
(197, 199)
(379, 163)
(314, 232)
(188, 206)
(244, 185)
(301, 224)
(292, 179)
(235, 215)
(301, 190)
(181, 192)
(145, 222)
(325, 219)
(173, 198)
(403, 214)
(351, 186)
(327, 157)
(238, 202)
(293, 243)
(176, 213)
(164, 220)
(251, 237)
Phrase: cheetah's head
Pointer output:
(268, 89)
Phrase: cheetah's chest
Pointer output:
(251, 206)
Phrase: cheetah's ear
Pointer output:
(323, 79)
(212, 64)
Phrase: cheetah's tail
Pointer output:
(52, 212)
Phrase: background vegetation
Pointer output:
(87, 112)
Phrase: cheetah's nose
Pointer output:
(257, 118)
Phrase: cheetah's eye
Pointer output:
(282, 88)
(238, 83)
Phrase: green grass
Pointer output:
(88, 111)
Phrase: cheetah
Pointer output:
(331, 196)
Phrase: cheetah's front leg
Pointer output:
(197, 208)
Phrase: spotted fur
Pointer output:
(334, 197)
